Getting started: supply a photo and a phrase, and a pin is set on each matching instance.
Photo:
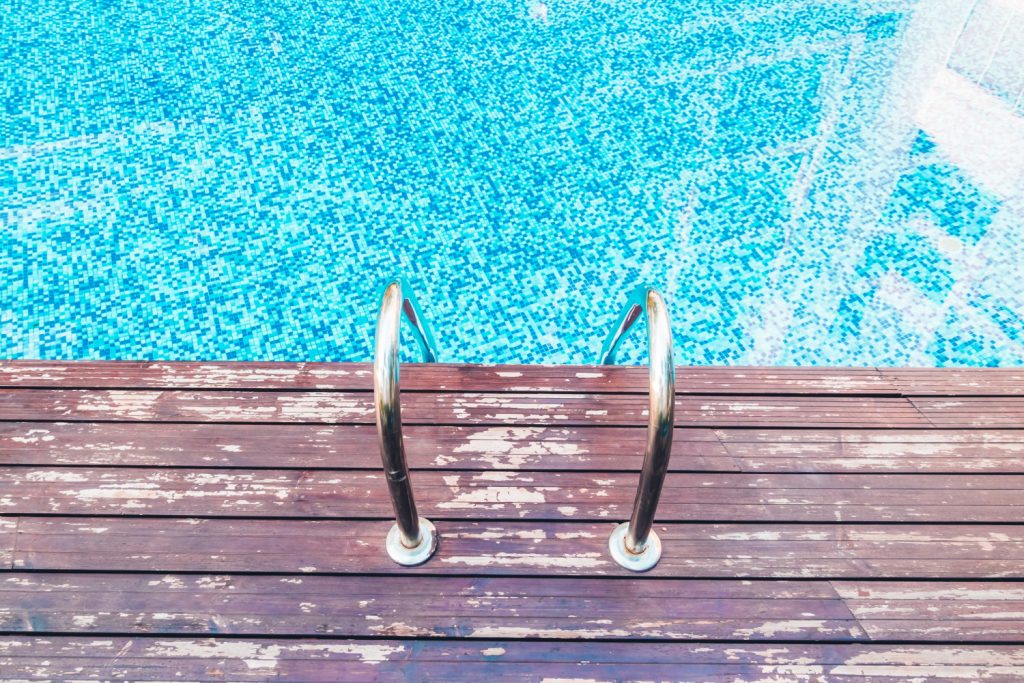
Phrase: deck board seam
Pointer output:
(514, 522)
(480, 470)
(767, 425)
(525, 639)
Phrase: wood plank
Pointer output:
(1003, 411)
(855, 450)
(348, 446)
(955, 381)
(352, 606)
(885, 608)
(510, 447)
(517, 378)
(511, 608)
(579, 496)
(501, 409)
(521, 548)
(8, 529)
(327, 661)
(437, 377)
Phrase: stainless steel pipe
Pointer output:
(634, 544)
(412, 540)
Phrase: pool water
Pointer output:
(807, 182)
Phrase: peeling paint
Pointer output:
(499, 533)
(773, 628)
(515, 447)
(262, 657)
(495, 497)
(510, 632)
(170, 581)
(749, 536)
(570, 535)
(401, 629)
(578, 561)
(33, 436)
(64, 476)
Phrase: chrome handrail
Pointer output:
(412, 539)
(634, 544)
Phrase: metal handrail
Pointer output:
(412, 539)
(634, 544)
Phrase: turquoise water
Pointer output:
(806, 182)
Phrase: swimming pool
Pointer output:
(807, 182)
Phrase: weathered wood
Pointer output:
(425, 606)
(1004, 411)
(327, 661)
(955, 381)
(245, 501)
(518, 378)
(498, 607)
(510, 447)
(885, 609)
(478, 408)
(578, 496)
(520, 548)
(349, 446)
(438, 377)
(853, 450)
(8, 527)
(332, 660)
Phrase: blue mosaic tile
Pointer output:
(230, 179)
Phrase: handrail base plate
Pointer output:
(634, 562)
(410, 557)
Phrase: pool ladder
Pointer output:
(412, 540)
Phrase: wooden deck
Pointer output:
(198, 521)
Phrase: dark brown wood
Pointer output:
(521, 548)
(438, 377)
(577, 496)
(83, 405)
(328, 661)
(352, 446)
(510, 447)
(514, 378)
(1004, 411)
(183, 517)
(955, 381)
(512, 607)
(854, 450)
